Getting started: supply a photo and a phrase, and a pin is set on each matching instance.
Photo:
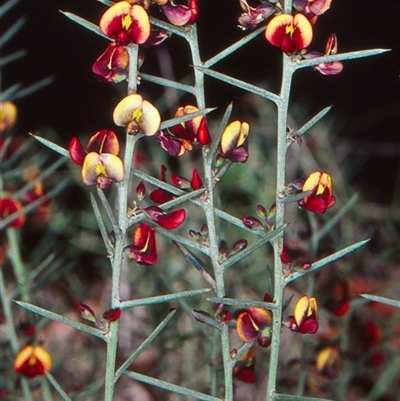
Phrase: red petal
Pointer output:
(309, 326)
(103, 141)
(245, 327)
(168, 221)
(180, 182)
(203, 135)
(178, 15)
(112, 314)
(76, 151)
(160, 196)
(245, 375)
(196, 182)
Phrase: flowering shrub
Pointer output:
(231, 335)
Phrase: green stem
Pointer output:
(208, 208)
(17, 263)
(6, 303)
(116, 261)
(279, 283)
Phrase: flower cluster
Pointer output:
(292, 33)
(128, 23)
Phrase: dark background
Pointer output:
(365, 96)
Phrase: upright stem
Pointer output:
(116, 261)
(17, 263)
(208, 208)
(279, 285)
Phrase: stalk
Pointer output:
(208, 208)
(279, 284)
(117, 259)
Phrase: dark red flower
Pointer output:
(111, 66)
(254, 324)
(86, 312)
(179, 139)
(305, 318)
(112, 314)
(143, 250)
(179, 14)
(169, 221)
(244, 369)
(10, 206)
(32, 361)
(321, 198)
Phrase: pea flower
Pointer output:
(160, 195)
(327, 361)
(321, 198)
(234, 142)
(179, 14)
(143, 250)
(10, 206)
(126, 23)
(292, 33)
(99, 160)
(8, 115)
(111, 66)
(305, 318)
(338, 301)
(254, 324)
(32, 361)
(312, 8)
(138, 116)
(169, 221)
(251, 17)
(244, 369)
(330, 68)
(181, 137)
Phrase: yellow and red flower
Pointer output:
(321, 198)
(234, 142)
(137, 115)
(143, 250)
(8, 115)
(126, 23)
(111, 66)
(179, 14)
(10, 206)
(182, 137)
(327, 361)
(32, 361)
(292, 33)
(254, 324)
(305, 317)
(99, 160)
